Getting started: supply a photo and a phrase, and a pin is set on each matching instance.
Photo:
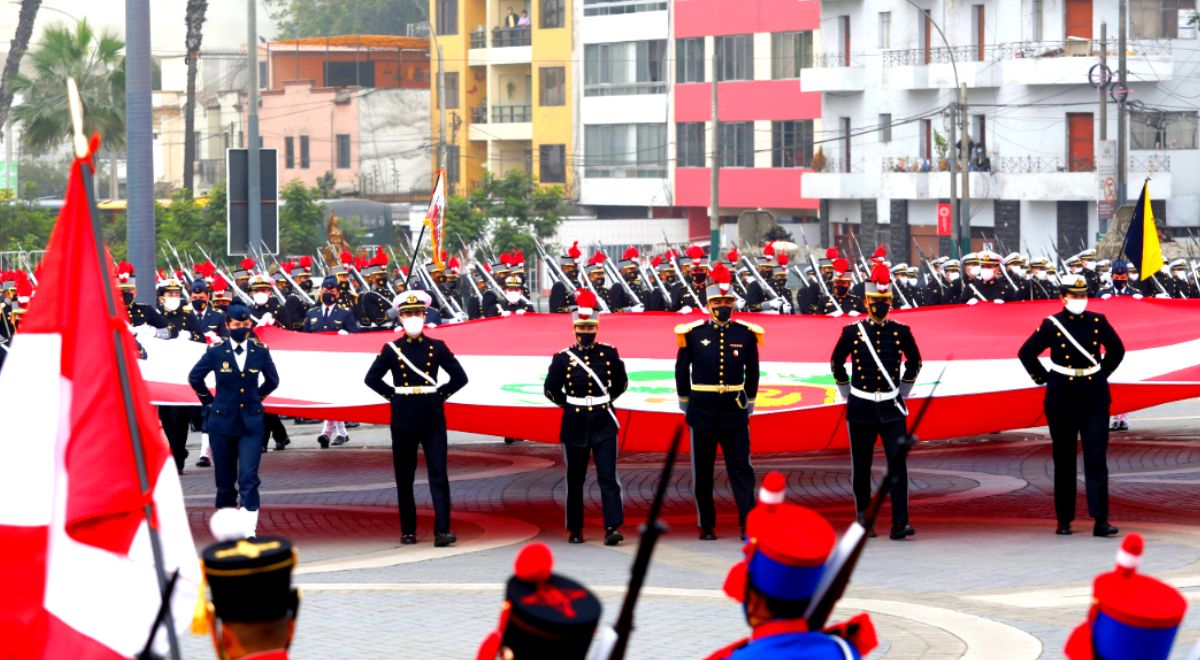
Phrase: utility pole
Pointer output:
(442, 110)
(1103, 86)
(714, 218)
(139, 232)
(253, 157)
(964, 207)
(1122, 138)
(955, 229)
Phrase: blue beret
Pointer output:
(329, 280)
(238, 312)
(1119, 268)
(199, 286)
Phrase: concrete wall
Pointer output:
(393, 148)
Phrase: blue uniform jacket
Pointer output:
(797, 646)
(237, 408)
(340, 318)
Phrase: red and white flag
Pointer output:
(435, 217)
(77, 575)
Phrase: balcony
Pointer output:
(1072, 62)
(479, 39)
(511, 37)
(502, 122)
(512, 114)
(840, 180)
(479, 114)
(831, 72)
(938, 68)
(508, 46)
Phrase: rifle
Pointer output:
(176, 253)
(821, 282)
(862, 258)
(586, 280)
(616, 274)
(845, 557)
(430, 284)
(679, 273)
(147, 652)
(228, 279)
(666, 294)
(929, 265)
(762, 282)
(641, 562)
(261, 259)
(295, 287)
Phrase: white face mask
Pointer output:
(172, 303)
(1090, 265)
(1133, 276)
(1040, 274)
(413, 325)
(952, 276)
(973, 271)
(1181, 274)
(513, 297)
(260, 298)
(987, 274)
(1076, 305)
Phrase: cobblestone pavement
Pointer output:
(985, 577)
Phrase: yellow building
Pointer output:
(508, 67)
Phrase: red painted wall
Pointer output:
(696, 18)
(741, 187)
(747, 101)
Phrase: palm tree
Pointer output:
(95, 61)
(16, 52)
(195, 24)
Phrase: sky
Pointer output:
(225, 27)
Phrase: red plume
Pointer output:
(381, 256)
(695, 252)
(769, 249)
(197, 269)
(831, 253)
(733, 256)
(880, 252)
(597, 258)
(518, 257)
(124, 271)
(306, 262)
(506, 258)
(841, 265)
(670, 254)
(360, 262)
(453, 264)
(720, 274)
(631, 253)
(656, 261)
(880, 274)
(573, 251)
(403, 271)
(247, 264)
(346, 258)
(534, 563)
(219, 284)
(585, 298)
(24, 287)
(782, 259)
(208, 269)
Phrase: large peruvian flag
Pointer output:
(77, 575)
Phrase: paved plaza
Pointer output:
(985, 576)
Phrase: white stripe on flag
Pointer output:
(30, 392)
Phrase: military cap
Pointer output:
(411, 300)
(251, 580)
(259, 282)
(585, 311)
(329, 282)
(571, 258)
(951, 264)
(629, 258)
(720, 287)
(1120, 268)
(238, 312)
(970, 258)
(125, 276)
(170, 284)
(880, 283)
(512, 282)
(199, 286)
(1073, 283)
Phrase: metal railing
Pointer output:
(832, 60)
(510, 37)
(613, 7)
(1019, 50)
(478, 40)
(211, 170)
(924, 56)
(512, 114)
(1027, 164)
(626, 171)
(1150, 163)
(479, 114)
(624, 88)
(838, 165)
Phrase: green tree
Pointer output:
(43, 178)
(301, 220)
(23, 225)
(185, 223)
(297, 19)
(510, 212)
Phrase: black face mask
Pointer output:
(880, 309)
(585, 338)
(306, 285)
(722, 314)
(239, 334)
(199, 304)
(668, 278)
(699, 278)
(127, 296)
(840, 289)
(328, 297)
(598, 282)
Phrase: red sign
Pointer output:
(943, 220)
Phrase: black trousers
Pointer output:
(862, 452)
(735, 444)
(604, 449)
(404, 461)
(1067, 429)
(273, 426)
(175, 421)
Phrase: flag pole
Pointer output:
(82, 152)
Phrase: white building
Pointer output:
(888, 79)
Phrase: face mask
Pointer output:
(597, 282)
(1180, 275)
(1075, 270)
(413, 325)
(585, 338)
(127, 296)
(1120, 284)
(172, 303)
(1076, 305)
(879, 310)
(1041, 274)
(669, 277)
(699, 278)
(328, 297)
(513, 297)
(260, 298)
(973, 271)
(840, 289)
(306, 285)
(987, 275)
(952, 276)
(722, 314)
(199, 304)
(239, 334)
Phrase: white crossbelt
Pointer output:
(599, 383)
(877, 397)
(862, 333)
(412, 367)
(1074, 342)
(1069, 371)
(588, 400)
(417, 389)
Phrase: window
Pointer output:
(979, 130)
(689, 60)
(790, 52)
(612, 7)
(630, 67)
(552, 85)
(885, 29)
(735, 57)
(349, 74)
(447, 17)
(689, 145)
(626, 151)
(1162, 130)
(737, 144)
(791, 143)
(343, 151)
(304, 152)
(289, 152)
(1156, 19)
(1035, 10)
(263, 77)
(452, 169)
(451, 90)
(885, 127)
(552, 13)
(552, 162)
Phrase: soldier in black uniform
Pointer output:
(375, 303)
(265, 310)
(1014, 276)
(694, 289)
(875, 397)
(778, 282)
(842, 300)
(291, 314)
(657, 301)
(562, 295)
(1077, 399)
(139, 313)
(716, 378)
(175, 419)
(989, 285)
(621, 300)
(596, 277)
(1087, 259)
(1040, 286)
(473, 302)
(418, 417)
(585, 380)
(513, 302)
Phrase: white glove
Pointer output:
(186, 336)
(854, 313)
(770, 311)
(267, 319)
(638, 308)
(343, 332)
(787, 309)
(520, 312)
(998, 301)
(739, 304)
(844, 390)
(1106, 296)
(1138, 296)
(905, 306)
(210, 337)
(686, 309)
(683, 407)
(1162, 295)
(973, 301)
(834, 314)
(505, 313)
(162, 333)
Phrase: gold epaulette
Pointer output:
(682, 329)
(755, 328)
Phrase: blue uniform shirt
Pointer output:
(337, 318)
(237, 409)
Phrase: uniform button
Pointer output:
(242, 390)
(241, 405)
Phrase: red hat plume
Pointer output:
(769, 249)
(841, 265)
(453, 264)
(247, 264)
(656, 261)
(631, 253)
(695, 252)
(880, 252)
(197, 268)
(831, 253)
(124, 271)
(381, 256)
(534, 563)
(585, 298)
(573, 251)
(306, 261)
(506, 258)
(597, 258)
(208, 269)
(346, 258)
(219, 283)
(782, 259)
(720, 274)
(880, 274)
(733, 256)
(518, 257)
